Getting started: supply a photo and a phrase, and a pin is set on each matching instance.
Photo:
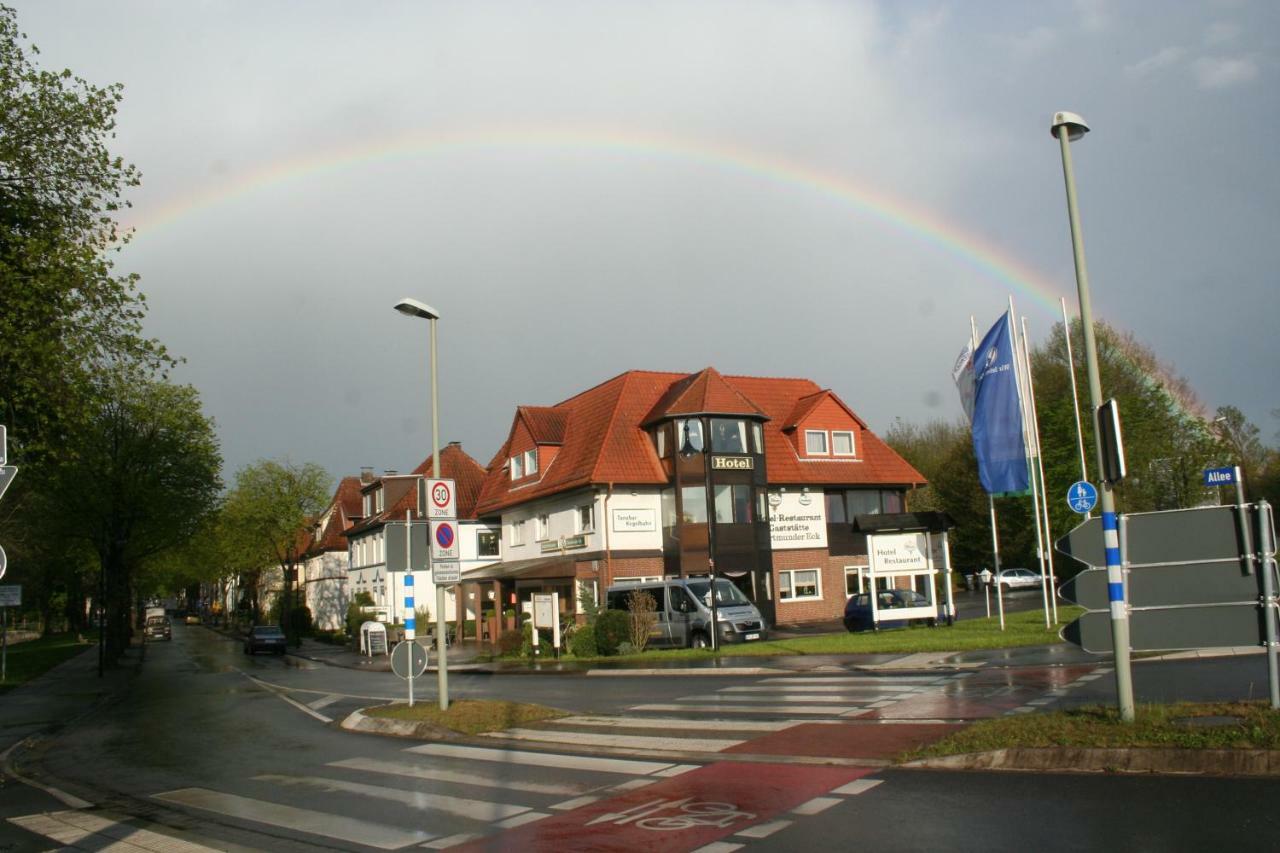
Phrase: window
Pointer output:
(851, 577)
(757, 435)
(842, 443)
(517, 533)
(892, 501)
(733, 504)
(689, 436)
(835, 508)
(544, 527)
(799, 585)
(863, 502)
(693, 504)
(377, 501)
(517, 467)
(486, 543)
(728, 436)
(586, 518)
(815, 442)
(660, 441)
(531, 461)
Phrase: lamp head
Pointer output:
(414, 308)
(1074, 124)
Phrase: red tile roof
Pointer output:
(546, 425)
(456, 465)
(604, 440)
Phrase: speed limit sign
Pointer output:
(441, 500)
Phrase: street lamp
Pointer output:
(414, 308)
(1068, 127)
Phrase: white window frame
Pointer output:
(377, 500)
(791, 573)
(517, 532)
(544, 526)
(480, 531)
(826, 443)
(590, 525)
(853, 444)
(530, 462)
(517, 466)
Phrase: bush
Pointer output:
(642, 609)
(300, 621)
(510, 643)
(612, 628)
(625, 648)
(582, 642)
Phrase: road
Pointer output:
(227, 752)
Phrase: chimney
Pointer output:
(366, 475)
(455, 444)
(390, 472)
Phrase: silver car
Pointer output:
(1018, 579)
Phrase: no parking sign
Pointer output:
(444, 540)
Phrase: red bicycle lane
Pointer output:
(681, 813)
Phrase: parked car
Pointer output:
(1018, 579)
(857, 610)
(192, 619)
(265, 638)
(684, 612)
(157, 628)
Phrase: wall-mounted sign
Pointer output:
(732, 463)
(896, 553)
(549, 545)
(578, 541)
(793, 525)
(635, 521)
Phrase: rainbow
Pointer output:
(993, 262)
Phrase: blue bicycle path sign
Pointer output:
(1082, 497)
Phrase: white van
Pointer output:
(684, 612)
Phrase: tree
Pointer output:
(66, 314)
(139, 480)
(269, 510)
(642, 610)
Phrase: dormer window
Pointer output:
(842, 443)
(517, 466)
(815, 442)
(531, 461)
(377, 501)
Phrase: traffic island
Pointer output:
(464, 717)
(1219, 738)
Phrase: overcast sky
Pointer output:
(825, 190)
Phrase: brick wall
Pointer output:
(831, 606)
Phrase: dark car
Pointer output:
(265, 638)
(857, 610)
(158, 628)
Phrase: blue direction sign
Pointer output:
(1082, 497)
(1219, 476)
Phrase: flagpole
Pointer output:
(1044, 490)
(991, 502)
(1019, 362)
(1075, 397)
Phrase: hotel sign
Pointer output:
(797, 521)
(732, 463)
(898, 553)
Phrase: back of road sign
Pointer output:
(1204, 534)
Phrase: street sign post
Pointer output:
(1219, 476)
(408, 659)
(10, 596)
(7, 473)
(1082, 497)
(446, 573)
(441, 499)
(1189, 582)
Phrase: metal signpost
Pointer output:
(442, 513)
(1190, 582)
(409, 660)
(10, 596)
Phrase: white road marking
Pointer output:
(862, 689)
(521, 820)
(542, 759)
(719, 847)
(764, 830)
(816, 805)
(628, 741)
(817, 710)
(96, 832)
(452, 841)
(812, 698)
(674, 723)
(278, 691)
(463, 807)
(323, 701)
(883, 681)
(306, 821)
(414, 771)
(677, 770)
(577, 802)
(857, 786)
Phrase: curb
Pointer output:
(1200, 762)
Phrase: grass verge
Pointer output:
(1250, 725)
(1025, 628)
(34, 658)
(469, 716)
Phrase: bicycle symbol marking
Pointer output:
(682, 814)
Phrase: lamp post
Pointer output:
(414, 308)
(1068, 127)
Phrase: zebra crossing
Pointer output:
(733, 715)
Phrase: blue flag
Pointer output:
(997, 414)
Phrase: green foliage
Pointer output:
(582, 642)
(300, 622)
(625, 648)
(612, 628)
(356, 615)
(643, 616)
(587, 597)
(510, 643)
